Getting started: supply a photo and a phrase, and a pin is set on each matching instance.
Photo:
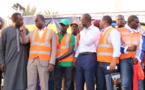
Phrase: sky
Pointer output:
(74, 6)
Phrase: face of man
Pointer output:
(63, 27)
(80, 27)
(1, 23)
(39, 22)
(84, 21)
(102, 24)
(120, 21)
(134, 24)
(74, 28)
(19, 21)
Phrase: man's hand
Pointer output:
(135, 61)
(51, 67)
(23, 29)
(74, 62)
(112, 66)
(2, 67)
(132, 48)
(57, 60)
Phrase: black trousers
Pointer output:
(67, 72)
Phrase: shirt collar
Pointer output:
(107, 28)
(89, 27)
(132, 30)
(59, 33)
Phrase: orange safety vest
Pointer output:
(63, 47)
(77, 40)
(40, 47)
(129, 39)
(105, 48)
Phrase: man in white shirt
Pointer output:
(86, 54)
(108, 51)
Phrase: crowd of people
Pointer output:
(92, 51)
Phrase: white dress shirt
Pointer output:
(89, 38)
(115, 39)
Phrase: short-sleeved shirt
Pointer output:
(72, 42)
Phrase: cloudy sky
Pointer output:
(74, 6)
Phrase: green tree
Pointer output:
(30, 11)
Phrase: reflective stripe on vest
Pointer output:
(46, 38)
(106, 54)
(105, 42)
(40, 52)
(62, 49)
(129, 39)
(105, 45)
(40, 44)
(105, 48)
(40, 48)
(129, 42)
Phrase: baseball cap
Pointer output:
(64, 21)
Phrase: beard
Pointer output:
(18, 25)
(84, 25)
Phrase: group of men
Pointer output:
(78, 58)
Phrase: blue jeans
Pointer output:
(140, 84)
(126, 70)
(101, 72)
(85, 71)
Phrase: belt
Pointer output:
(86, 53)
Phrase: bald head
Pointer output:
(105, 22)
(41, 17)
(86, 20)
(133, 21)
(87, 17)
(120, 16)
(132, 18)
(108, 19)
